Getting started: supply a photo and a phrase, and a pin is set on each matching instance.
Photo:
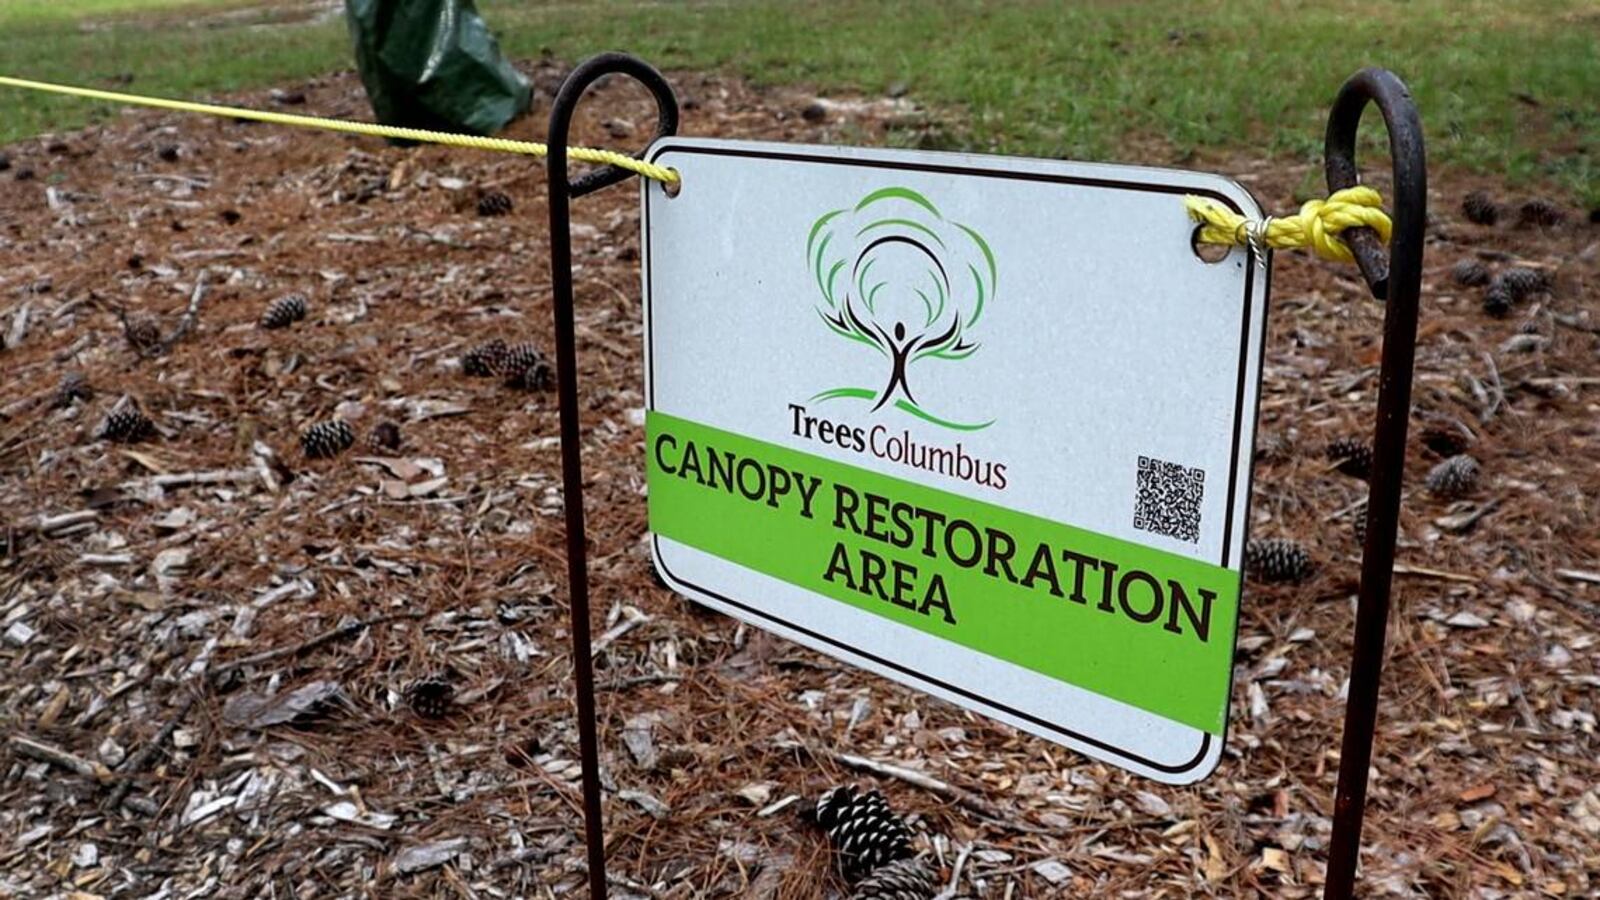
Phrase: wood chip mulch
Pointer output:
(229, 670)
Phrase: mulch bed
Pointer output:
(212, 643)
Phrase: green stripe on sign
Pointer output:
(1149, 628)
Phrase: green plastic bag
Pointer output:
(433, 64)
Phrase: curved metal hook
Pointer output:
(1410, 169)
(1398, 280)
(562, 190)
(566, 103)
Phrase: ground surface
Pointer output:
(180, 602)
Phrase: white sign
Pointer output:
(981, 425)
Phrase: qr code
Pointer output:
(1169, 499)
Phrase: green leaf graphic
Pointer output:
(913, 307)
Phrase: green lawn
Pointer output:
(14, 12)
(1511, 86)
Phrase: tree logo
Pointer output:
(898, 276)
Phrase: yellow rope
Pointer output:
(1317, 225)
(502, 145)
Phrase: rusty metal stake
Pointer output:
(562, 192)
(1398, 281)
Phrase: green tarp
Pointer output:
(434, 64)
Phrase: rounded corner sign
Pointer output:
(981, 425)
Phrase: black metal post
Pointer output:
(562, 192)
(1399, 282)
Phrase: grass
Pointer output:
(1505, 87)
(14, 12)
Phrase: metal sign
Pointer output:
(981, 425)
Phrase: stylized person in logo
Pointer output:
(896, 275)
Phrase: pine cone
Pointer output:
(525, 368)
(385, 437)
(485, 359)
(903, 879)
(1540, 213)
(1445, 441)
(1523, 282)
(1277, 560)
(493, 203)
(1480, 209)
(537, 377)
(143, 333)
(1351, 457)
(431, 697)
(1497, 300)
(864, 832)
(284, 311)
(519, 357)
(1470, 273)
(127, 425)
(1454, 477)
(73, 386)
(327, 439)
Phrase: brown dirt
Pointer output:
(1485, 770)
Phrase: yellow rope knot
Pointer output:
(1317, 225)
